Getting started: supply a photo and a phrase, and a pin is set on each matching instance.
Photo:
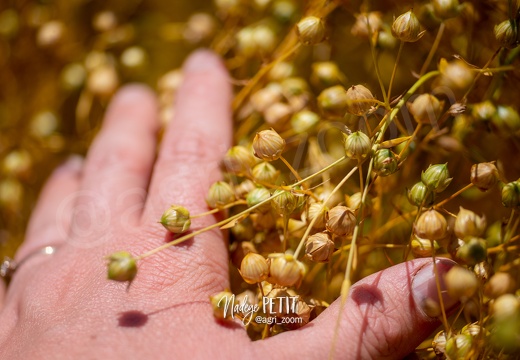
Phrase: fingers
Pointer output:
(50, 221)
(118, 165)
(384, 317)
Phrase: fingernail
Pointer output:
(424, 288)
(73, 163)
(200, 61)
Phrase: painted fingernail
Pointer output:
(200, 61)
(424, 288)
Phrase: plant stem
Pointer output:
(454, 195)
(409, 141)
(433, 49)
(293, 171)
(216, 210)
(394, 70)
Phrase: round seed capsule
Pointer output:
(256, 196)
(357, 145)
(254, 268)
(220, 194)
(285, 270)
(385, 162)
(358, 100)
(420, 195)
(407, 27)
(425, 109)
(265, 173)
(461, 283)
(436, 177)
(506, 34)
(238, 160)
(484, 176)
(319, 247)
(311, 30)
(469, 224)
(268, 145)
(511, 194)
(431, 225)
(319, 212)
(121, 266)
(341, 221)
(176, 219)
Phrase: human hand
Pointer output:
(62, 305)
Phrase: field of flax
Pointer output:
(367, 133)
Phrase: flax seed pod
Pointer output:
(122, 266)
(319, 247)
(220, 194)
(436, 177)
(238, 160)
(258, 195)
(407, 27)
(385, 162)
(268, 145)
(459, 346)
(265, 173)
(319, 212)
(358, 100)
(473, 251)
(419, 195)
(285, 203)
(423, 247)
(176, 219)
(218, 302)
(500, 284)
(425, 109)
(506, 306)
(506, 34)
(285, 270)
(304, 121)
(340, 221)
(445, 9)
(469, 224)
(461, 283)
(254, 268)
(431, 225)
(363, 20)
(484, 175)
(333, 101)
(456, 75)
(511, 194)
(311, 30)
(357, 145)
(327, 73)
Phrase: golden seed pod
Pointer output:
(73, 76)
(425, 109)
(11, 194)
(104, 21)
(199, 27)
(285, 203)
(431, 225)
(319, 212)
(50, 33)
(281, 70)
(357, 145)
(304, 121)
(285, 270)
(506, 120)
(122, 266)
(436, 177)
(483, 271)
(511, 194)
(385, 40)
(278, 114)
(456, 75)
(311, 30)
(506, 34)
(473, 251)
(333, 101)
(319, 247)
(17, 163)
(341, 221)
(294, 86)
(445, 9)
(363, 20)
(461, 283)
(473, 329)
(267, 96)
(134, 58)
(219, 302)
(254, 268)
(43, 124)
(459, 346)
(220, 194)
(256, 196)
(385, 162)
(326, 73)
(423, 248)
(268, 145)
(238, 160)
(264, 39)
(469, 224)
(484, 110)
(419, 195)
(354, 203)
(484, 175)
(506, 306)
(176, 219)
(265, 173)
(439, 343)
(103, 80)
(500, 284)
(358, 100)
(407, 27)
(242, 189)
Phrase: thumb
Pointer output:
(385, 316)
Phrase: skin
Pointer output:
(62, 306)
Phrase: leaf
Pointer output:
(394, 142)
(230, 224)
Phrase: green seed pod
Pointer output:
(456, 75)
(285, 270)
(458, 346)
(315, 211)
(407, 27)
(268, 145)
(506, 34)
(357, 145)
(483, 271)
(506, 306)
(326, 73)
(311, 30)
(469, 224)
(281, 70)
(425, 109)
(484, 110)
(341, 221)
(304, 121)
(121, 266)
(431, 225)
(333, 101)
(473, 251)
(294, 86)
(500, 284)
(385, 40)
(285, 203)
(439, 343)
(420, 195)
(258, 195)
(254, 268)
(473, 329)
(219, 302)
(220, 194)
(506, 120)
(176, 219)
(436, 177)
(358, 100)
(461, 283)
(484, 176)
(511, 194)
(265, 172)
(423, 248)
(319, 247)
(354, 203)
(238, 160)
(385, 162)
(445, 9)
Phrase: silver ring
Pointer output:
(9, 266)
